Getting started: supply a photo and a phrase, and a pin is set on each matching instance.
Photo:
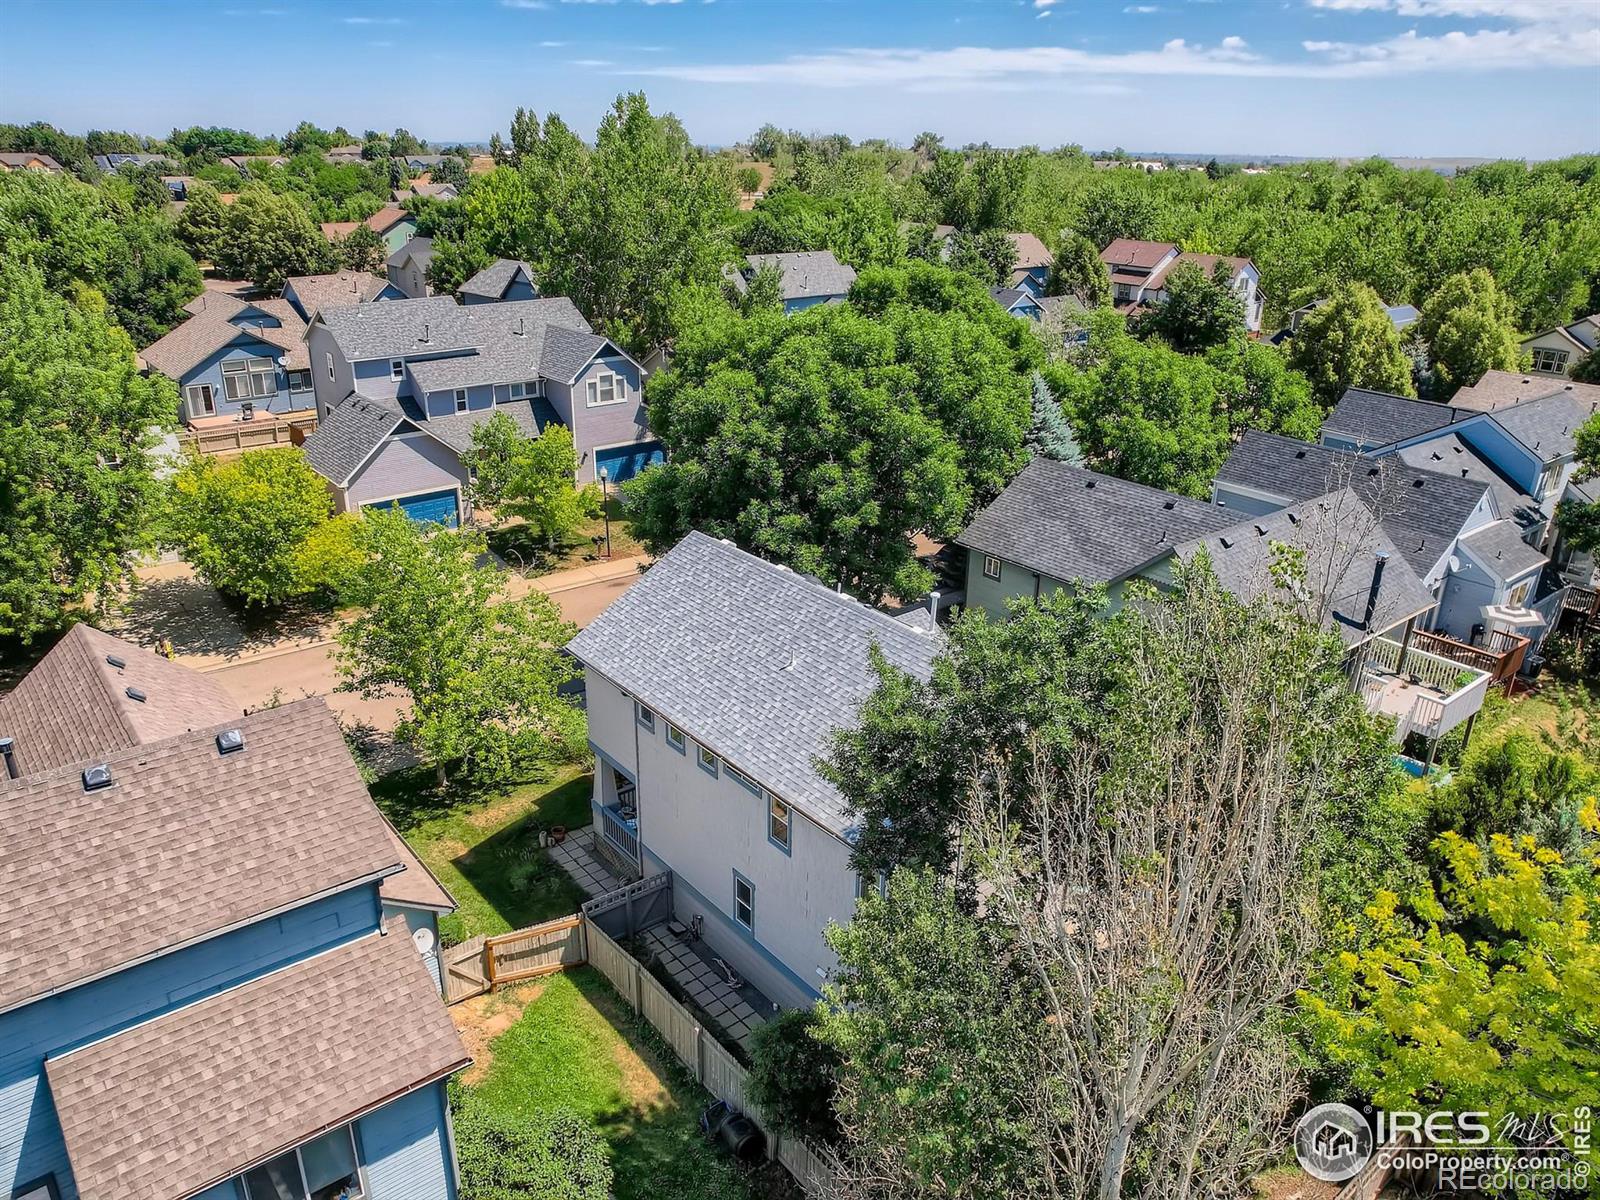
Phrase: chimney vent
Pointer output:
(116, 662)
(230, 741)
(134, 693)
(1379, 561)
(425, 331)
(97, 778)
(8, 752)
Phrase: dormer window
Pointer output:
(461, 400)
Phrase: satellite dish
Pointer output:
(1454, 564)
(422, 939)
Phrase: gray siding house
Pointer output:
(401, 385)
(235, 359)
(503, 279)
(809, 277)
(408, 267)
(713, 685)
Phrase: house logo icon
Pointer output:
(1332, 1142)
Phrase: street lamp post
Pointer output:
(605, 507)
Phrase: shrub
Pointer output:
(794, 1076)
(551, 1155)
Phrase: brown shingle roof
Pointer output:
(210, 329)
(192, 1098)
(1206, 262)
(340, 287)
(1502, 389)
(74, 705)
(1131, 252)
(1031, 252)
(184, 843)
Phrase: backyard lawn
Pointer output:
(1564, 716)
(516, 543)
(485, 847)
(570, 1041)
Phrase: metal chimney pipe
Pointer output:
(1379, 560)
(8, 751)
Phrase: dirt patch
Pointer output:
(483, 1018)
(450, 850)
(499, 813)
(1291, 1183)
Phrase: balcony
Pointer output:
(619, 823)
(1427, 694)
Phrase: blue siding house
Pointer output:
(808, 278)
(235, 359)
(210, 983)
(1019, 302)
(503, 279)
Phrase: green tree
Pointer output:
(271, 237)
(244, 524)
(1469, 326)
(541, 488)
(1078, 272)
(79, 427)
(451, 170)
(403, 144)
(497, 444)
(1579, 521)
(1350, 342)
(455, 260)
(793, 1076)
(202, 226)
(748, 179)
(1587, 368)
(527, 1155)
(151, 279)
(362, 249)
(1201, 311)
(482, 669)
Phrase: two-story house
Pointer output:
(391, 223)
(204, 990)
(1556, 351)
(503, 279)
(401, 386)
(408, 267)
(713, 685)
(807, 277)
(235, 359)
(308, 293)
(1139, 271)
(1018, 302)
(27, 160)
(1034, 260)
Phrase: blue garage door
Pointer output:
(622, 463)
(437, 507)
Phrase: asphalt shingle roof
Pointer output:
(1379, 419)
(74, 704)
(185, 841)
(807, 273)
(343, 287)
(494, 279)
(418, 248)
(1501, 389)
(567, 351)
(1549, 425)
(1031, 252)
(1499, 546)
(199, 1095)
(1071, 523)
(1451, 454)
(751, 660)
(508, 338)
(210, 329)
(1342, 540)
(455, 429)
(1423, 510)
(347, 437)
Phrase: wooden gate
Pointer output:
(535, 951)
(464, 973)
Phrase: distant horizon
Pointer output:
(1288, 79)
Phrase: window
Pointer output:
(606, 388)
(322, 1169)
(869, 883)
(743, 780)
(646, 717)
(299, 381)
(329, 358)
(707, 760)
(243, 378)
(1550, 362)
(675, 738)
(43, 1188)
(202, 400)
(397, 369)
(523, 391)
(1519, 594)
(744, 902)
(991, 567)
(777, 821)
(461, 399)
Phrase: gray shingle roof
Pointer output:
(494, 279)
(1379, 419)
(419, 248)
(509, 337)
(1502, 389)
(347, 437)
(176, 1104)
(185, 842)
(1005, 297)
(1342, 539)
(753, 661)
(1499, 546)
(1451, 454)
(1547, 426)
(1071, 523)
(807, 273)
(567, 351)
(455, 429)
(1423, 510)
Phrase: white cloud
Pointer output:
(553, 45)
(1142, 8)
(524, 4)
(1044, 14)
(372, 20)
(592, 62)
(1043, 3)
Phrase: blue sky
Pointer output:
(1516, 78)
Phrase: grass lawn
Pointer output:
(515, 543)
(570, 1041)
(485, 847)
(1565, 716)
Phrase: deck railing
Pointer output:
(616, 832)
(1459, 689)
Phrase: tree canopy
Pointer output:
(1470, 328)
(1350, 342)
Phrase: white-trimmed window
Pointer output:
(1518, 596)
(324, 1168)
(1549, 362)
(328, 357)
(606, 387)
(243, 378)
(675, 737)
(527, 390)
(744, 902)
(991, 567)
(397, 369)
(870, 883)
(461, 400)
(202, 400)
(777, 821)
(645, 717)
(300, 381)
(708, 761)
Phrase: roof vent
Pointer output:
(424, 331)
(1088, 483)
(116, 662)
(230, 741)
(8, 753)
(134, 693)
(1261, 531)
(1371, 471)
(1294, 518)
(1299, 453)
(1170, 505)
(97, 777)
(1416, 483)
(1226, 544)
(1463, 472)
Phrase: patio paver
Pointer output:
(588, 871)
(738, 1012)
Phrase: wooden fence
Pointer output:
(716, 1069)
(239, 436)
(464, 973)
(482, 964)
